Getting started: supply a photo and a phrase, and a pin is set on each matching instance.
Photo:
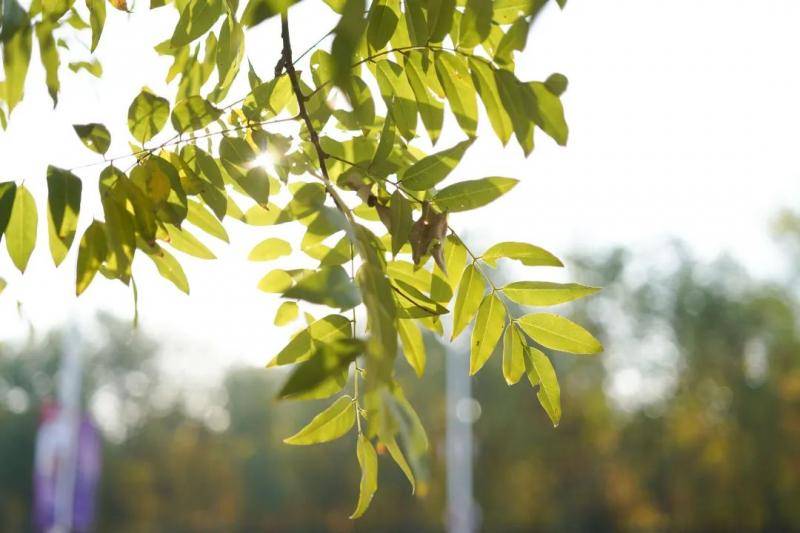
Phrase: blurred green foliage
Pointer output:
(691, 424)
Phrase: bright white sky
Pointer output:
(683, 119)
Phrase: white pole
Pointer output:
(460, 505)
(69, 418)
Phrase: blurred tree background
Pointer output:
(691, 423)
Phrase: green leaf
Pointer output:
(324, 374)
(287, 313)
(559, 333)
(94, 136)
(398, 96)
(514, 39)
(120, 236)
(21, 229)
(549, 113)
(381, 23)
(400, 215)
(196, 19)
(468, 299)
(49, 56)
(347, 36)
(329, 286)
(485, 83)
(488, 329)
(513, 99)
(413, 345)
(182, 240)
(329, 425)
(540, 371)
(269, 249)
(16, 58)
(507, 11)
(430, 170)
(543, 293)
(556, 83)
(258, 11)
(513, 355)
(476, 22)
(147, 115)
(381, 311)
(97, 19)
(92, 252)
(8, 191)
(430, 108)
(368, 461)
(193, 113)
(64, 205)
(3, 285)
(440, 19)
(302, 345)
(230, 51)
(472, 194)
(93, 67)
(416, 23)
(455, 79)
(525, 253)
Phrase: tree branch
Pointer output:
(288, 65)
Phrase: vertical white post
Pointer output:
(460, 505)
(69, 417)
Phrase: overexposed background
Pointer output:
(682, 121)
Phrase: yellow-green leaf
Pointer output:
(513, 355)
(147, 115)
(543, 293)
(527, 254)
(400, 214)
(488, 329)
(413, 345)
(368, 461)
(91, 254)
(485, 83)
(400, 459)
(97, 19)
(549, 113)
(196, 19)
(324, 330)
(472, 194)
(468, 299)
(182, 240)
(559, 333)
(287, 313)
(541, 372)
(193, 113)
(455, 79)
(329, 425)
(16, 58)
(276, 281)
(432, 169)
(269, 249)
(49, 56)
(329, 286)
(205, 220)
(430, 108)
(94, 136)
(169, 268)
(21, 229)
